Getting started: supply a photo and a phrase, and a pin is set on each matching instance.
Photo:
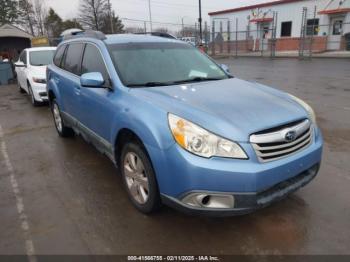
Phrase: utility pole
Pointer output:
(183, 27)
(110, 16)
(200, 21)
(150, 14)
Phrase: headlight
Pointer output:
(308, 108)
(39, 80)
(201, 142)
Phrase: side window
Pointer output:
(312, 26)
(93, 62)
(58, 56)
(23, 57)
(286, 28)
(73, 58)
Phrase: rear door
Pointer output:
(55, 75)
(69, 82)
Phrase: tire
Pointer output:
(20, 89)
(62, 130)
(32, 98)
(139, 178)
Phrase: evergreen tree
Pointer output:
(53, 24)
(67, 24)
(8, 12)
(117, 24)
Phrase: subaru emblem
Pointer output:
(290, 136)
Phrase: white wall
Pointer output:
(286, 12)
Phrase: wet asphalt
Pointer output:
(74, 202)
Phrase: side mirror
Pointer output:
(19, 64)
(94, 79)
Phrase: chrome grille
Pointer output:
(282, 141)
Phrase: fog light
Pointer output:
(207, 200)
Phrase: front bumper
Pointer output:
(248, 202)
(180, 173)
(39, 92)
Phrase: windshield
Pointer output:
(41, 58)
(156, 64)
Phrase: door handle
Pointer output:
(77, 89)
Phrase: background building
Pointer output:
(12, 41)
(289, 22)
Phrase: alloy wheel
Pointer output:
(136, 178)
(32, 98)
(57, 117)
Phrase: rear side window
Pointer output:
(93, 62)
(59, 54)
(73, 58)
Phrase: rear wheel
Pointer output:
(139, 178)
(62, 130)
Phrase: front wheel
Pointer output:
(32, 98)
(139, 178)
(20, 89)
(62, 130)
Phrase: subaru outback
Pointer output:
(180, 128)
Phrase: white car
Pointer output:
(31, 72)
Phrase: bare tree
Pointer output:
(92, 13)
(40, 15)
(27, 15)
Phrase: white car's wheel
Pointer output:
(32, 98)
(20, 89)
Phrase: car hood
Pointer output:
(232, 108)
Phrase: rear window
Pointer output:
(59, 54)
(73, 58)
(41, 58)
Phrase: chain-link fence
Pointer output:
(267, 36)
(259, 38)
(263, 36)
(317, 37)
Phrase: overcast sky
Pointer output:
(162, 10)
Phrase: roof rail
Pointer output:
(160, 34)
(87, 33)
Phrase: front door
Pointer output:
(96, 107)
(21, 71)
(335, 33)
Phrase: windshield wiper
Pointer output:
(190, 80)
(197, 79)
(150, 84)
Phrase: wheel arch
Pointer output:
(124, 136)
(51, 95)
(53, 92)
